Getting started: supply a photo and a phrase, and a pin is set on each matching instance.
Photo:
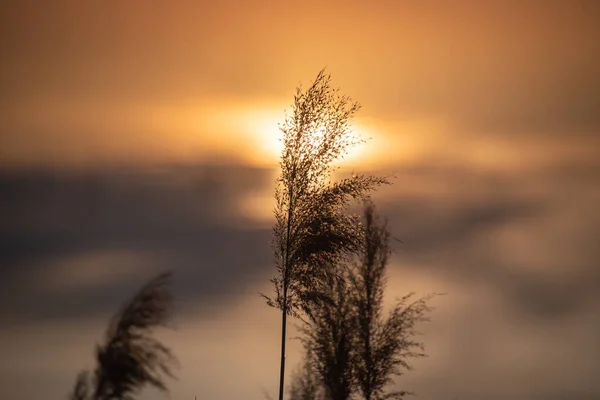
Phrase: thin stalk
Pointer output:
(285, 287)
(282, 367)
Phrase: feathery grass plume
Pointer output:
(329, 337)
(130, 357)
(305, 383)
(382, 346)
(311, 229)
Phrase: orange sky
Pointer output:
(205, 82)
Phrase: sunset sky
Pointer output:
(141, 136)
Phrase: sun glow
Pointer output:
(251, 134)
(264, 127)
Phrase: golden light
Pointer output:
(264, 128)
(245, 133)
(250, 134)
(261, 128)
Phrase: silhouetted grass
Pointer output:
(355, 349)
(312, 231)
(130, 358)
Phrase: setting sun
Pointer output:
(255, 135)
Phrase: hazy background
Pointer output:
(140, 136)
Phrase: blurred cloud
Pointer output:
(514, 251)
(132, 221)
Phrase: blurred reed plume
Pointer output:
(130, 358)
